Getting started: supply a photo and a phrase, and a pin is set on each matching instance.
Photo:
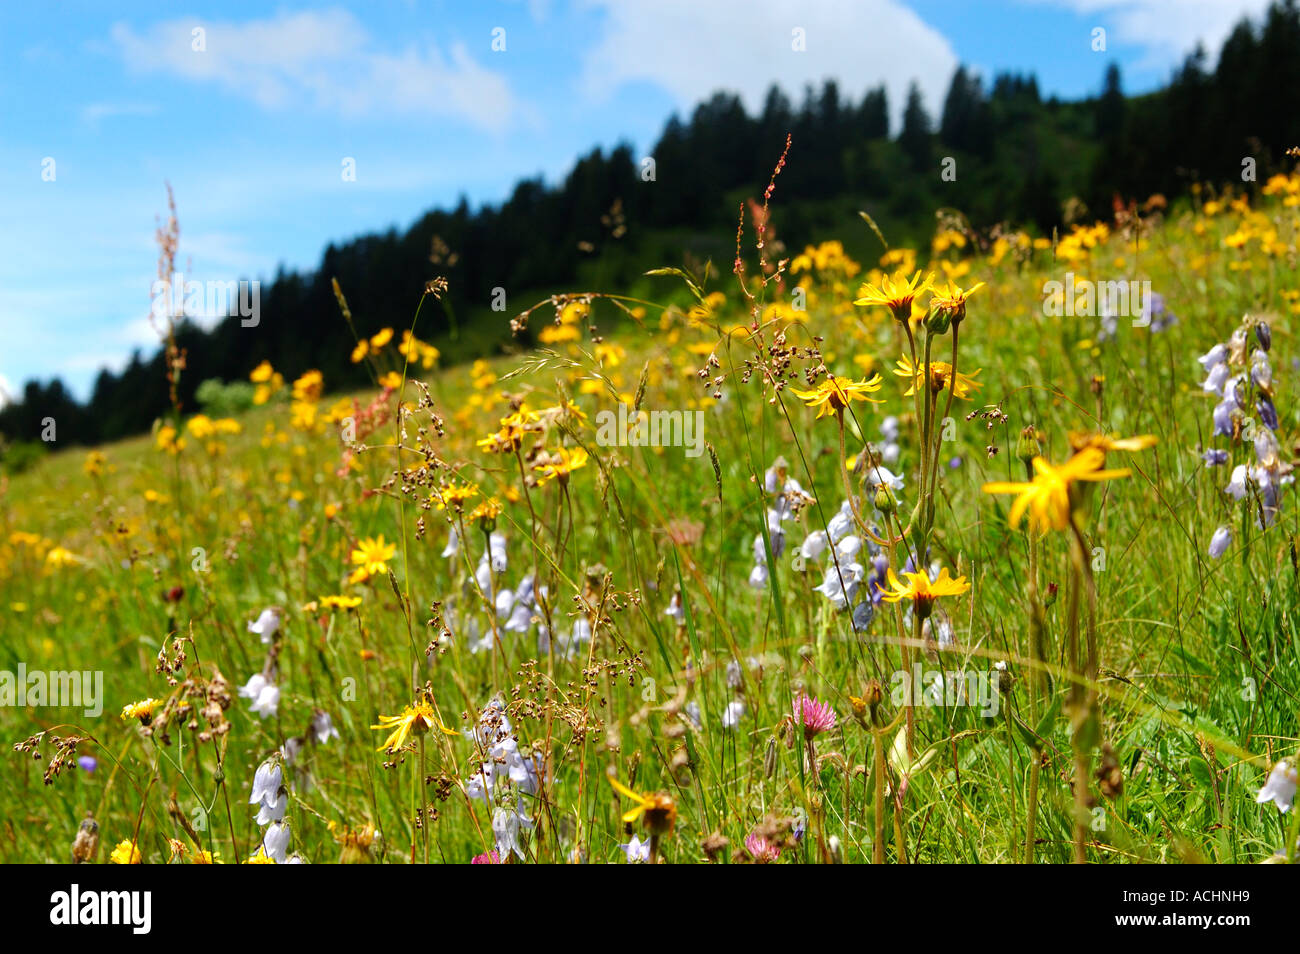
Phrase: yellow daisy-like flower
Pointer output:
(413, 720)
(896, 293)
(341, 602)
(941, 378)
(455, 496)
(1047, 498)
(309, 386)
(94, 464)
(260, 857)
(360, 351)
(169, 440)
(951, 299)
(922, 591)
(834, 394)
(659, 809)
(59, 557)
(486, 513)
(510, 436)
(1105, 442)
(371, 556)
(560, 464)
(142, 710)
(125, 853)
(381, 338)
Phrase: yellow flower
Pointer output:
(142, 710)
(309, 386)
(262, 373)
(59, 557)
(265, 389)
(952, 300)
(125, 853)
(94, 465)
(560, 464)
(1105, 442)
(382, 338)
(486, 513)
(941, 377)
(455, 496)
(302, 415)
(659, 809)
(413, 720)
(360, 351)
(340, 602)
(896, 293)
(834, 394)
(511, 434)
(168, 441)
(371, 556)
(1047, 496)
(558, 334)
(392, 380)
(260, 857)
(922, 591)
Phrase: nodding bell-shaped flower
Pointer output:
(1220, 542)
(1280, 786)
(266, 624)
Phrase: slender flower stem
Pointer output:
(878, 770)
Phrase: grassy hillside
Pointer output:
(1127, 691)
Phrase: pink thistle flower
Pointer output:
(764, 851)
(815, 717)
(487, 858)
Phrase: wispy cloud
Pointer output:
(325, 61)
(1167, 29)
(95, 113)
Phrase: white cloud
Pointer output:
(325, 61)
(94, 113)
(693, 49)
(1168, 29)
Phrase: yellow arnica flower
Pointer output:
(371, 556)
(487, 512)
(142, 710)
(511, 435)
(125, 853)
(413, 720)
(60, 556)
(1047, 496)
(659, 809)
(836, 393)
(340, 602)
(941, 378)
(455, 496)
(922, 591)
(1103, 442)
(560, 464)
(169, 441)
(896, 293)
(262, 373)
(952, 300)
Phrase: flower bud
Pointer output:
(938, 321)
(1264, 335)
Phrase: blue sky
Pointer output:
(252, 119)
